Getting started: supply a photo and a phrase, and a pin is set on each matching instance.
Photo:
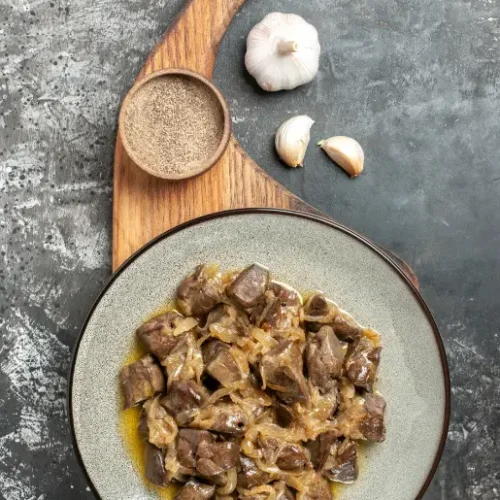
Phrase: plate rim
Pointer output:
(280, 211)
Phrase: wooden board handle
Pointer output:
(193, 39)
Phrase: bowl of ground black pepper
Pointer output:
(174, 124)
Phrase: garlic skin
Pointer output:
(346, 152)
(282, 52)
(292, 139)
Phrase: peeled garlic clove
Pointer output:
(292, 139)
(346, 152)
(282, 52)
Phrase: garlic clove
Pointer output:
(346, 152)
(292, 139)
(282, 52)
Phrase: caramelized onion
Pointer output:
(185, 325)
(171, 463)
(162, 428)
(228, 335)
(265, 489)
(230, 486)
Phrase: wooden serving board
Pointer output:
(144, 206)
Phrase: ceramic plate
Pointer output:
(308, 253)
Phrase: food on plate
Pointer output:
(249, 392)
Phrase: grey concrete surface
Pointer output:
(416, 82)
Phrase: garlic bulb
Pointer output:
(346, 152)
(282, 52)
(292, 139)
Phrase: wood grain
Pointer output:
(144, 206)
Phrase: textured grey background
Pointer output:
(416, 82)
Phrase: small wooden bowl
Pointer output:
(205, 165)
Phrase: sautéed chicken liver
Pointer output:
(249, 393)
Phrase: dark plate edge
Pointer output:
(313, 217)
